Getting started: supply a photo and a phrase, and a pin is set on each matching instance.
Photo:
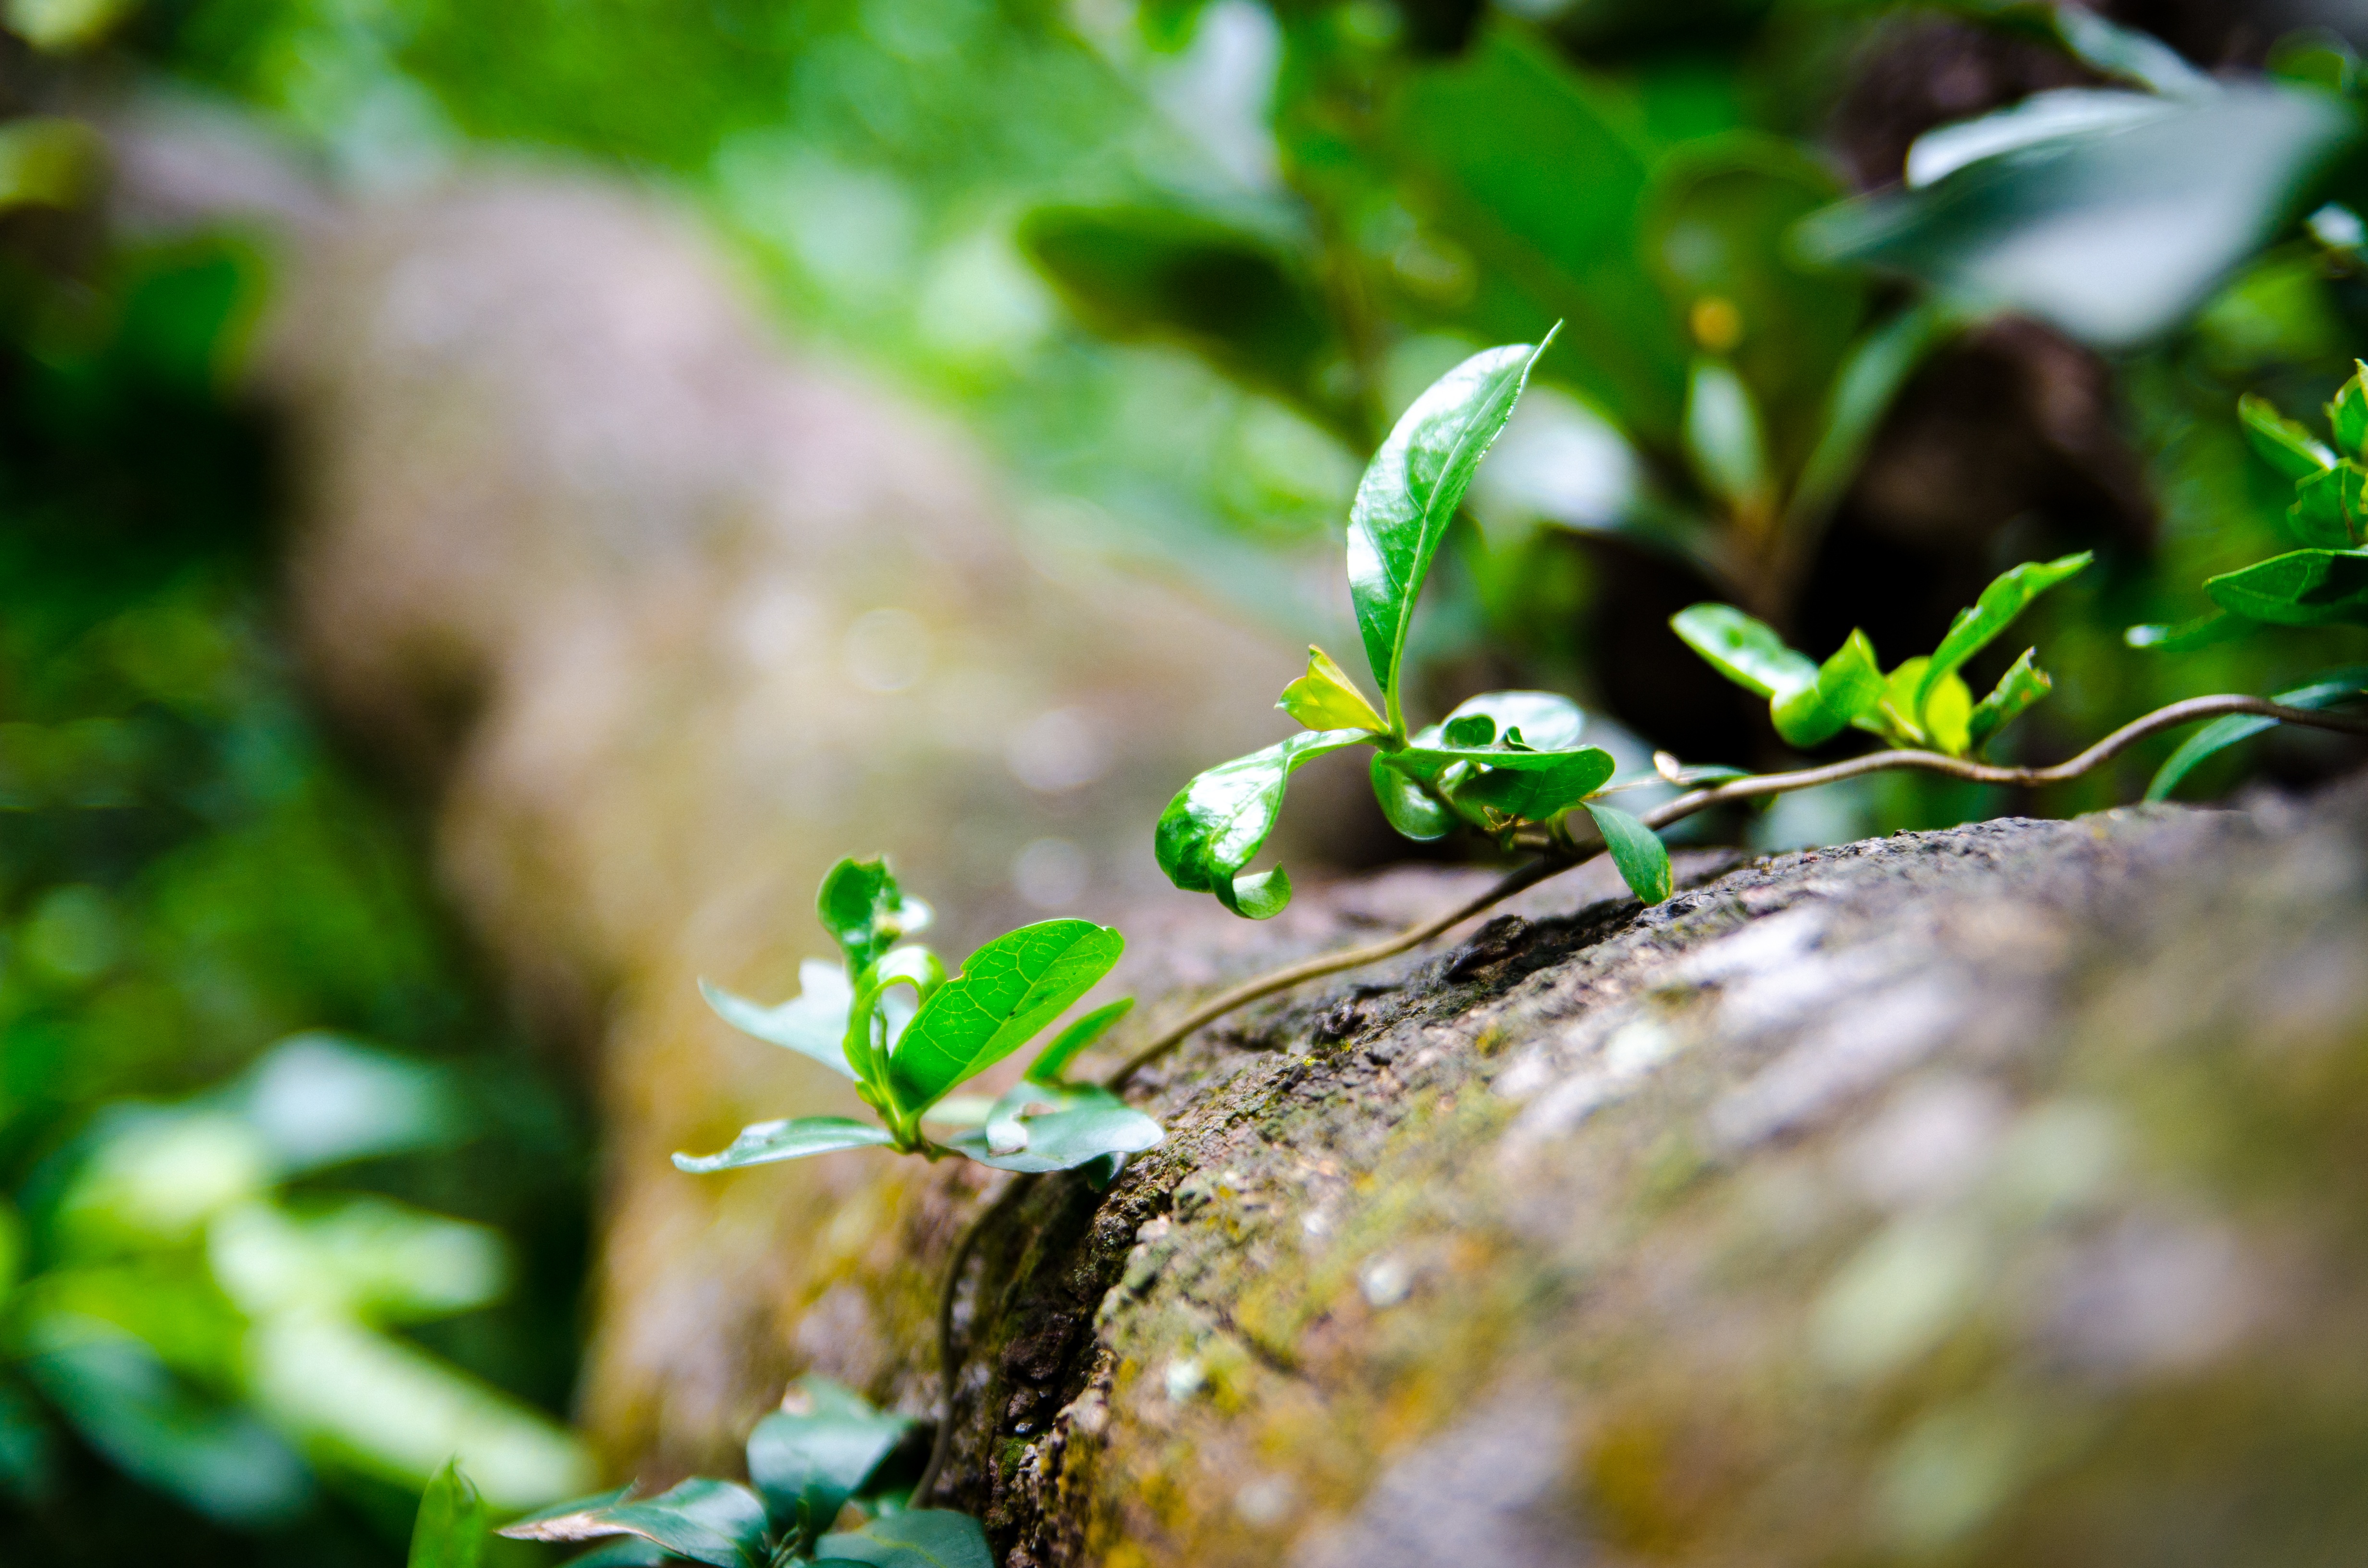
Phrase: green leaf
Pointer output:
(1054, 1059)
(1325, 699)
(1087, 1123)
(794, 1139)
(1948, 715)
(450, 1532)
(1724, 439)
(807, 1466)
(1006, 992)
(2326, 690)
(716, 1522)
(1413, 811)
(2327, 507)
(2187, 636)
(1547, 721)
(911, 965)
(2023, 683)
(1804, 719)
(2348, 414)
(865, 911)
(1535, 790)
(2305, 587)
(1745, 651)
(1411, 489)
(1218, 820)
(625, 1551)
(1850, 682)
(1974, 628)
(1637, 850)
(812, 1023)
(2283, 444)
(920, 1538)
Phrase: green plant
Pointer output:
(1500, 763)
(1922, 703)
(906, 1057)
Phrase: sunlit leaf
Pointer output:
(793, 1139)
(1054, 1059)
(2283, 444)
(806, 1466)
(1948, 714)
(1325, 699)
(716, 1522)
(1215, 824)
(812, 1023)
(1005, 994)
(1746, 651)
(450, 1532)
(2303, 587)
(2023, 683)
(2331, 689)
(1975, 628)
(921, 1537)
(1643, 859)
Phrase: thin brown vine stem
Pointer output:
(1557, 856)
(949, 1362)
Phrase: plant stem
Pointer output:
(949, 1361)
(1556, 854)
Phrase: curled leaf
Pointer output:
(2023, 683)
(2007, 597)
(2283, 444)
(1082, 1124)
(1325, 699)
(865, 911)
(1411, 809)
(2326, 510)
(1215, 824)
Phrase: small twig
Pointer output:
(1557, 854)
(949, 1362)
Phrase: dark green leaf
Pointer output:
(1325, 699)
(1974, 628)
(625, 1551)
(1547, 721)
(766, 1142)
(922, 1538)
(1091, 1123)
(807, 1466)
(2327, 507)
(865, 911)
(1470, 730)
(2348, 414)
(1637, 851)
(2282, 443)
(1850, 682)
(2329, 690)
(2023, 683)
(2305, 587)
(1535, 790)
(1054, 1059)
(1411, 809)
(1006, 992)
(812, 1023)
(1745, 651)
(715, 1522)
(450, 1532)
(1218, 820)
(1411, 490)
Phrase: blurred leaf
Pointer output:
(28, 1458)
(2305, 587)
(911, 966)
(807, 1466)
(49, 162)
(715, 1522)
(1054, 1059)
(1745, 651)
(2111, 236)
(2284, 445)
(922, 1538)
(370, 1257)
(1637, 851)
(2348, 414)
(62, 27)
(319, 1099)
(2328, 690)
(1877, 367)
(2036, 121)
(1804, 719)
(1975, 627)
(812, 1023)
(2023, 683)
(865, 911)
(1215, 824)
(1005, 994)
(1325, 699)
(2327, 509)
(1411, 490)
(1850, 682)
(1948, 714)
(1091, 1124)
(794, 1139)
(1413, 811)
(625, 1551)
(451, 1529)
(2187, 636)
(1724, 439)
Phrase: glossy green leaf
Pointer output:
(1054, 1059)
(1218, 820)
(2303, 587)
(2347, 416)
(716, 1522)
(1005, 994)
(2329, 690)
(450, 1532)
(806, 1466)
(1724, 438)
(794, 1139)
(2023, 683)
(1411, 489)
(1850, 682)
(1746, 651)
(1547, 721)
(1537, 786)
(812, 1023)
(2283, 444)
(1413, 811)
(920, 1538)
(1325, 699)
(865, 911)
(1975, 628)
(1089, 1124)
(1804, 719)
(1637, 851)
(2327, 509)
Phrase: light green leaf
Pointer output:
(1745, 651)
(2283, 444)
(2327, 507)
(1085, 1123)
(1637, 851)
(2186, 636)
(450, 1532)
(920, 1538)
(1325, 699)
(1413, 811)
(1054, 1059)
(2023, 683)
(2304, 588)
(1974, 628)
(2348, 414)
(794, 1139)
(1724, 439)
(716, 1522)
(1410, 491)
(1948, 715)
(807, 1466)
(865, 911)
(1803, 718)
(812, 1023)
(1850, 682)
(914, 966)
(1218, 820)
(2328, 690)
(1005, 994)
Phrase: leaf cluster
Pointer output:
(1922, 704)
(890, 1019)
(1498, 762)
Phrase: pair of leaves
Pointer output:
(1924, 702)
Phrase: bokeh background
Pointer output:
(350, 349)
